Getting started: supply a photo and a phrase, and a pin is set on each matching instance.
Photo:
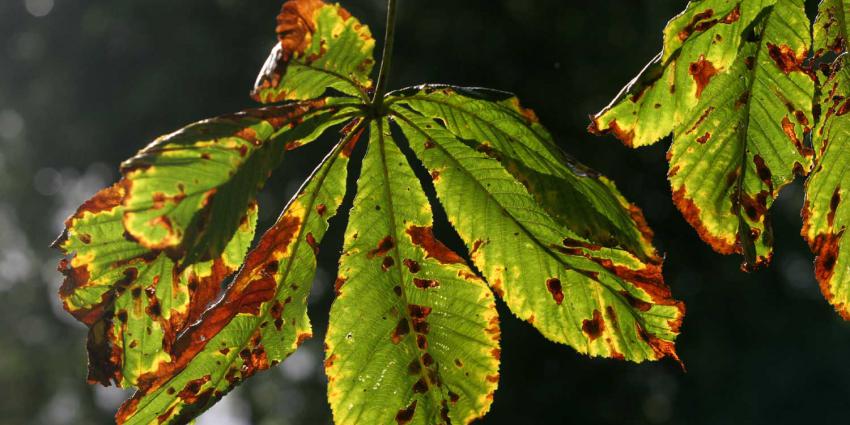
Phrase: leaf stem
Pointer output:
(386, 58)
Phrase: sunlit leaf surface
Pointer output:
(732, 86)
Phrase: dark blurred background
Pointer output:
(84, 84)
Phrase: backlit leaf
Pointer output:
(832, 27)
(210, 171)
(825, 211)
(601, 301)
(495, 124)
(134, 300)
(262, 317)
(414, 334)
(740, 115)
(320, 46)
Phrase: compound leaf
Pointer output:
(262, 317)
(739, 124)
(187, 191)
(134, 300)
(414, 333)
(320, 46)
(600, 300)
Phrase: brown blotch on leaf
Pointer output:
(412, 265)
(833, 206)
(321, 209)
(704, 138)
(387, 263)
(338, 285)
(702, 72)
(401, 329)
(384, 246)
(425, 283)
(742, 100)
(635, 302)
(696, 125)
(348, 149)
(329, 362)
(420, 386)
(405, 416)
(702, 22)
(553, 285)
(785, 58)
(626, 137)
(312, 242)
(594, 327)
(423, 236)
(790, 130)
(414, 368)
(763, 171)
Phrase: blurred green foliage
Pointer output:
(85, 84)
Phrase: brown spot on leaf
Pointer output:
(833, 205)
(791, 131)
(412, 265)
(763, 172)
(321, 209)
(594, 327)
(348, 149)
(704, 138)
(636, 303)
(384, 246)
(785, 58)
(338, 285)
(702, 22)
(742, 100)
(304, 336)
(425, 283)
(401, 329)
(423, 236)
(699, 122)
(420, 386)
(553, 285)
(702, 71)
(405, 416)
(387, 263)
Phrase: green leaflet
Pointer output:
(825, 212)
(414, 333)
(134, 300)
(698, 43)
(262, 317)
(739, 127)
(210, 171)
(320, 46)
(495, 124)
(831, 27)
(601, 301)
